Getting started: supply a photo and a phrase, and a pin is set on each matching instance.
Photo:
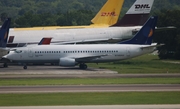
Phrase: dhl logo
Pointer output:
(142, 6)
(108, 14)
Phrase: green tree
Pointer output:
(171, 38)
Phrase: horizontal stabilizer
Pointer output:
(152, 46)
(159, 29)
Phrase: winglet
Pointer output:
(145, 35)
(109, 13)
(4, 32)
(138, 14)
(45, 41)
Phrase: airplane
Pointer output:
(79, 54)
(112, 34)
(107, 16)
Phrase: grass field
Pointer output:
(88, 81)
(89, 98)
(143, 64)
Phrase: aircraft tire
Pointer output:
(5, 65)
(83, 66)
(25, 67)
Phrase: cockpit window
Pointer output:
(18, 51)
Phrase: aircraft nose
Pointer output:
(8, 56)
(5, 59)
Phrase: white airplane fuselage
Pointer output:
(71, 55)
(74, 35)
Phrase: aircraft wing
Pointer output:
(89, 58)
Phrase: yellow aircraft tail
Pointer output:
(109, 13)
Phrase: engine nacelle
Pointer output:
(67, 62)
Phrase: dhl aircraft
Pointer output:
(124, 29)
(78, 54)
(107, 16)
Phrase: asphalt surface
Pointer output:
(90, 88)
(98, 107)
(18, 70)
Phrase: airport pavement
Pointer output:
(35, 70)
(91, 88)
(98, 107)
(74, 72)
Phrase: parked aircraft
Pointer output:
(72, 55)
(107, 16)
(88, 35)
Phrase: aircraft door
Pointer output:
(30, 53)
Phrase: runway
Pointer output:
(90, 88)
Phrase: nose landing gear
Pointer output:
(25, 67)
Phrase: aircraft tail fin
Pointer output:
(109, 13)
(4, 32)
(137, 15)
(145, 35)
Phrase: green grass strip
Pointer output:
(118, 98)
(88, 81)
(141, 65)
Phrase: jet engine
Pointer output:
(67, 62)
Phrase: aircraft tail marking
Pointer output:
(145, 35)
(109, 13)
(45, 41)
(138, 14)
(4, 32)
(11, 39)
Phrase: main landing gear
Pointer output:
(25, 67)
(5, 65)
(83, 66)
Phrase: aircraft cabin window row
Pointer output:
(76, 51)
